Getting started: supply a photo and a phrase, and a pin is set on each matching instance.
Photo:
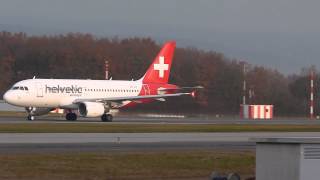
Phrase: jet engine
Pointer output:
(37, 111)
(91, 109)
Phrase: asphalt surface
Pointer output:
(122, 147)
(69, 138)
(164, 120)
(127, 142)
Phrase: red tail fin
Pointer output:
(159, 70)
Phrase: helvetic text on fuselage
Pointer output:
(73, 89)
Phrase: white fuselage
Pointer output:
(63, 92)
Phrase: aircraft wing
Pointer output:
(129, 98)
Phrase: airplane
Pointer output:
(95, 98)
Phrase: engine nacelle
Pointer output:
(91, 109)
(36, 111)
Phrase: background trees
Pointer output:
(78, 55)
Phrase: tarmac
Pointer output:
(127, 142)
(27, 148)
(167, 120)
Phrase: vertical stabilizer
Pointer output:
(159, 70)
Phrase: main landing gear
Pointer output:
(71, 116)
(106, 118)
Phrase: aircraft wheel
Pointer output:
(30, 118)
(74, 116)
(109, 117)
(71, 116)
(106, 118)
(68, 116)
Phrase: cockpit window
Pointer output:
(23, 88)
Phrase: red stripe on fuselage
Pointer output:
(152, 89)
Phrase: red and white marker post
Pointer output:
(311, 94)
(106, 69)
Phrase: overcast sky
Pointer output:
(282, 34)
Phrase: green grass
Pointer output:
(134, 165)
(147, 128)
(23, 114)
(12, 114)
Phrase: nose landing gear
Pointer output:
(30, 111)
(30, 118)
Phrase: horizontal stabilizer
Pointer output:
(182, 88)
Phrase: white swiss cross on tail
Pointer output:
(161, 67)
(158, 72)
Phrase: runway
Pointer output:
(69, 138)
(165, 120)
(123, 147)
(127, 142)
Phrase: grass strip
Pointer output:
(132, 165)
(147, 128)
(13, 114)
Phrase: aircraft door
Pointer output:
(39, 88)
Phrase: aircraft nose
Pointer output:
(7, 97)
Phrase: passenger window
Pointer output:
(15, 88)
(21, 88)
(26, 88)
